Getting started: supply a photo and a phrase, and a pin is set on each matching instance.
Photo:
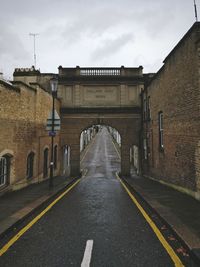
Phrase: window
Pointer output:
(45, 162)
(144, 109)
(145, 148)
(160, 121)
(148, 108)
(30, 165)
(4, 170)
(55, 156)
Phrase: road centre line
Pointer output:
(87, 254)
(168, 248)
(31, 223)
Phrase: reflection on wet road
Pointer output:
(95, 223)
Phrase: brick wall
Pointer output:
(175, 91)
(23, 113)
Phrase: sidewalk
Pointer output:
(179, 210)
(15, 206)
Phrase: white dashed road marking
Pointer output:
(87, 254)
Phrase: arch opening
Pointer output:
(66, 155)
(102, 142)
(134, 159)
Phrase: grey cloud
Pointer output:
(11, 44)
(12, 51)
(93, 24)
(109, 47)
(68, 27)
(100, 18)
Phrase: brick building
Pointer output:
(24, 142)
(170, 126)
(171, 117)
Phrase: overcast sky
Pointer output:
(91, 32)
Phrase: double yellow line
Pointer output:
(31, 223)
(168, 248)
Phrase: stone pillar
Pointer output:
(75, 160)
(125, 159)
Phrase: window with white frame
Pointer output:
(160, 122)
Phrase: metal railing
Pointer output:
(100, 72)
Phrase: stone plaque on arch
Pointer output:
(100, 95)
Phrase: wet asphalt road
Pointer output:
(97, 209)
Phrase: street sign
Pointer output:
(52, 133)
(56, 121)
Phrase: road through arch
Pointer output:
(100, 96)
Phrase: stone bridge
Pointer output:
(100, 96)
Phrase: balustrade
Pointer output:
(100, 72)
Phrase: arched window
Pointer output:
(66, 160)
(4, 170)
(67, 155)
(45, 162)
(30, 165)
(55, 156)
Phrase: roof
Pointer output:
(195, 26)
(9, 85)
(24, 84)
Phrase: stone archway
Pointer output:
(128, 125)
(109, 96)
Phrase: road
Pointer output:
(96, 222)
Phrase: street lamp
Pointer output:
(54, 86)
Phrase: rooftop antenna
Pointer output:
(195, 10)
(34, 53)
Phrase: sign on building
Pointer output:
(50, 121)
